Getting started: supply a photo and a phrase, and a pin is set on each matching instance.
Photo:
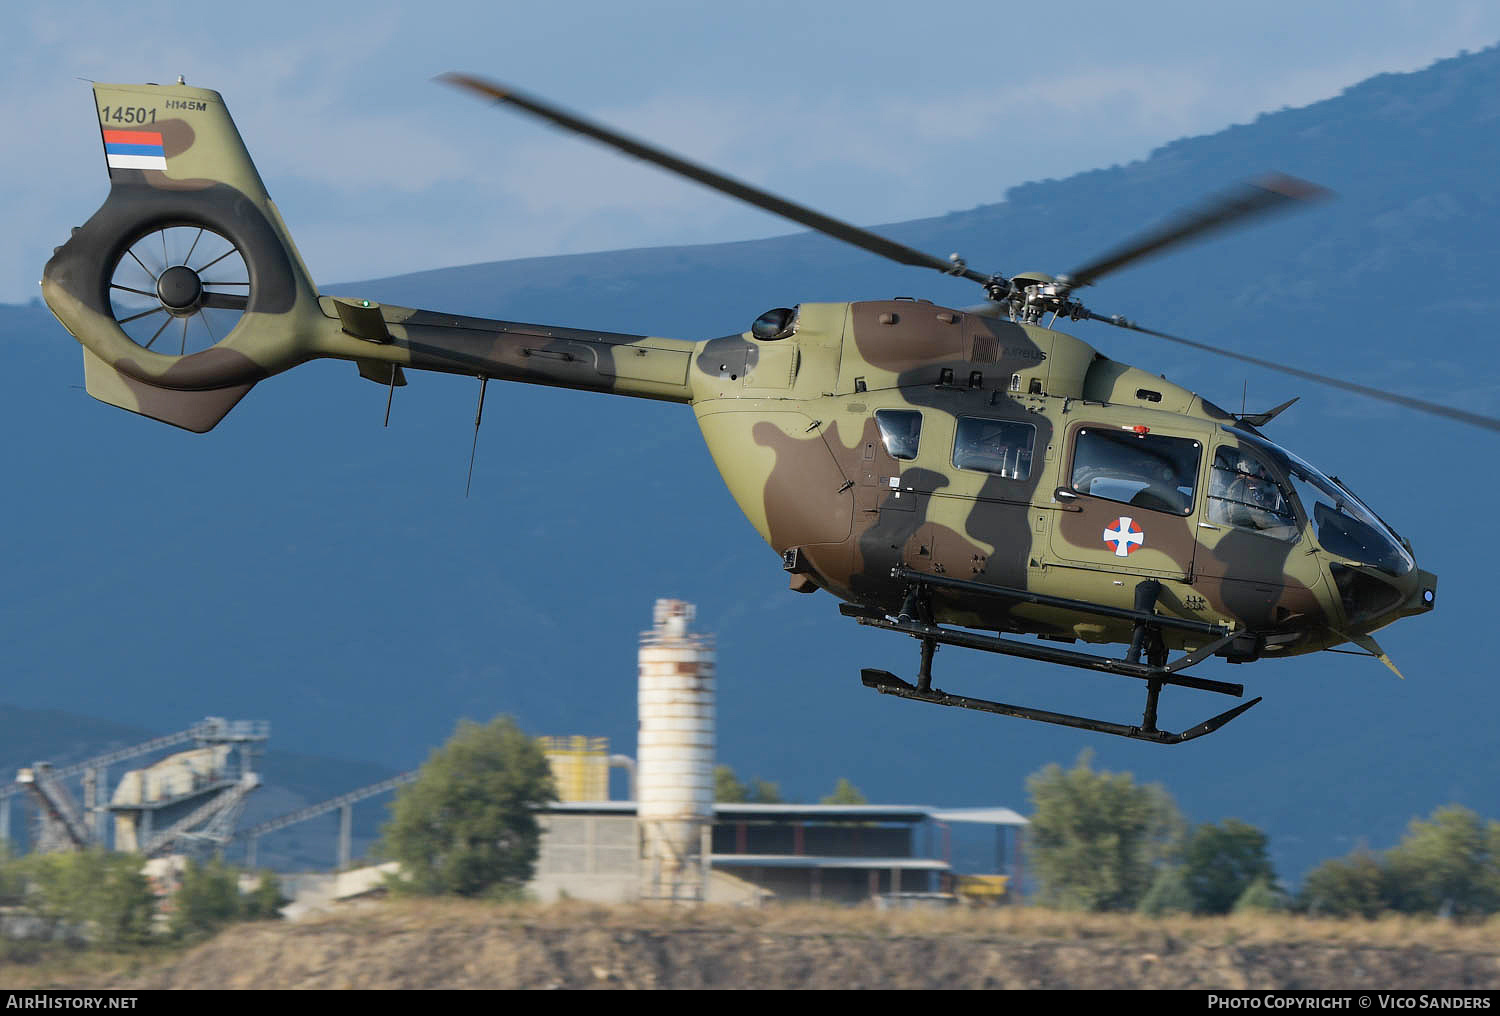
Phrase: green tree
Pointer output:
(1447, 863)
(103, 894)
(1222, 861)
(1346, 887)
(845, 793)
(265, 901)
(467, 825)
(12, 879)
(765, 792)
(1097, 839)
(727, 787)
(207, 899)
(729, 790)
(1262, 895)
(1450, 862)
(1169, 893)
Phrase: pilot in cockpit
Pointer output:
(1244, 494)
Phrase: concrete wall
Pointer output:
(588, 857)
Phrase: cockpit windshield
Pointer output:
(1342, 523)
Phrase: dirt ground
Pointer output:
(451, 944)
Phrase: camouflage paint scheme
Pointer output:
(790, 422)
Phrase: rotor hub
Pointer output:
(180, 290)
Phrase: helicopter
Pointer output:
(971, 477)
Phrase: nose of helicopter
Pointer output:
(1423, 596)
(1372, 597)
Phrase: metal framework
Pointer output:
(201, 818)
(915, 619)
(344, 804)
(93, 772)
(63, 825)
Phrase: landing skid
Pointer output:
(915, 616)
(889, 684)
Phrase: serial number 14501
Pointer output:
(126, 114)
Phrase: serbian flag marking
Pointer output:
(1125, 536)
(134, 150)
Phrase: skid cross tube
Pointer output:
(1041, 599)
(905, 574)
(1047, 654)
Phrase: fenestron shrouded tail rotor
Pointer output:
(180, 289)
(184, 288)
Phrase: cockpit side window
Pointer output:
(1002, 447)
(901, 430)
(1244, 493)
(1142, 470)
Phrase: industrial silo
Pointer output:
(580, 767)
(675, 780)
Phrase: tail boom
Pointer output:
(611, 362)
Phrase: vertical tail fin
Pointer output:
(184, 288)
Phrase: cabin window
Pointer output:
(901, 430)
(1002, 447)
(1142, 470)
(1243, 492)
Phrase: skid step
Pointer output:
(889, 684)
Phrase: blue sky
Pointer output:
(873, 111)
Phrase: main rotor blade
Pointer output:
(1270, 193)
(1461, 415)
(863, 238)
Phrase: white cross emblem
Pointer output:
(1125, 535)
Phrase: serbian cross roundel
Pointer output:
(1125, 535)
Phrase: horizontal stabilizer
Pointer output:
(382, 373)
(362, 319)
(197, 411)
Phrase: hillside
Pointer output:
(454, 945)
(304, 565)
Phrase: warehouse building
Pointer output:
(595, 850)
